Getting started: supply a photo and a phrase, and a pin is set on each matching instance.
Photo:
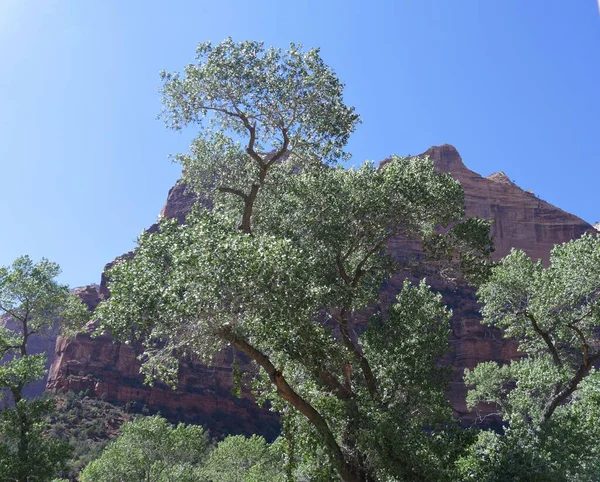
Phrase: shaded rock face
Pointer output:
(111, 370)
(179, 202)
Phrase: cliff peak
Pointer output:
(446, 158)
(501, 178)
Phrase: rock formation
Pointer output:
(521, 220)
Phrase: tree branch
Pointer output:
(584, 345)
(287, 393)
(568, 390)
(359, 272)
(330, 381)
(11, 313)
(237, 192)
(353, 349)
(279, 154)
(252, 131)
(546, 337)
(342, 269)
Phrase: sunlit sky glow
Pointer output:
(84, 162)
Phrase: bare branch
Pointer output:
(568, 390)
(219, 109)
(342, 269)
(330, 381)
(359, 272)
(280, 153)
(355, 352)
(584, 345)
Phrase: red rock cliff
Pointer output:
(521, 220)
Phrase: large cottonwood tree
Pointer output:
(291, 249)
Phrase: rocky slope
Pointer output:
(521, 220)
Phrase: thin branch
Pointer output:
(359, 272)
(279, 154)
(11, 313)
(342, 269)
(219, 109)
(237, 192)
(546, 337)
(330, 381)
(568, 390)
(584, 344)
(353, 349)
(252, 131)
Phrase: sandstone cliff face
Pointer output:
(521, 220)
(110, 370)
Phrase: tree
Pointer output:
(150, 449)
(241, 459)
(30, 295)
(548, 399)
(291, 251)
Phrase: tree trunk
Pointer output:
(345, 469)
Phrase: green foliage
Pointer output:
(216, 278)
(150, 449)
(549, 398)
(87, 424)
(465, 244)
(241, 459)
(34, 300)
(25, 453)
(288, 97)
(404, 353)
(293, 247)
(530, 302)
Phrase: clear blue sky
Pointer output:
(513, 84)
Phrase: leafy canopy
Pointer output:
(549, 397)
(150, 449)
(291, 250)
